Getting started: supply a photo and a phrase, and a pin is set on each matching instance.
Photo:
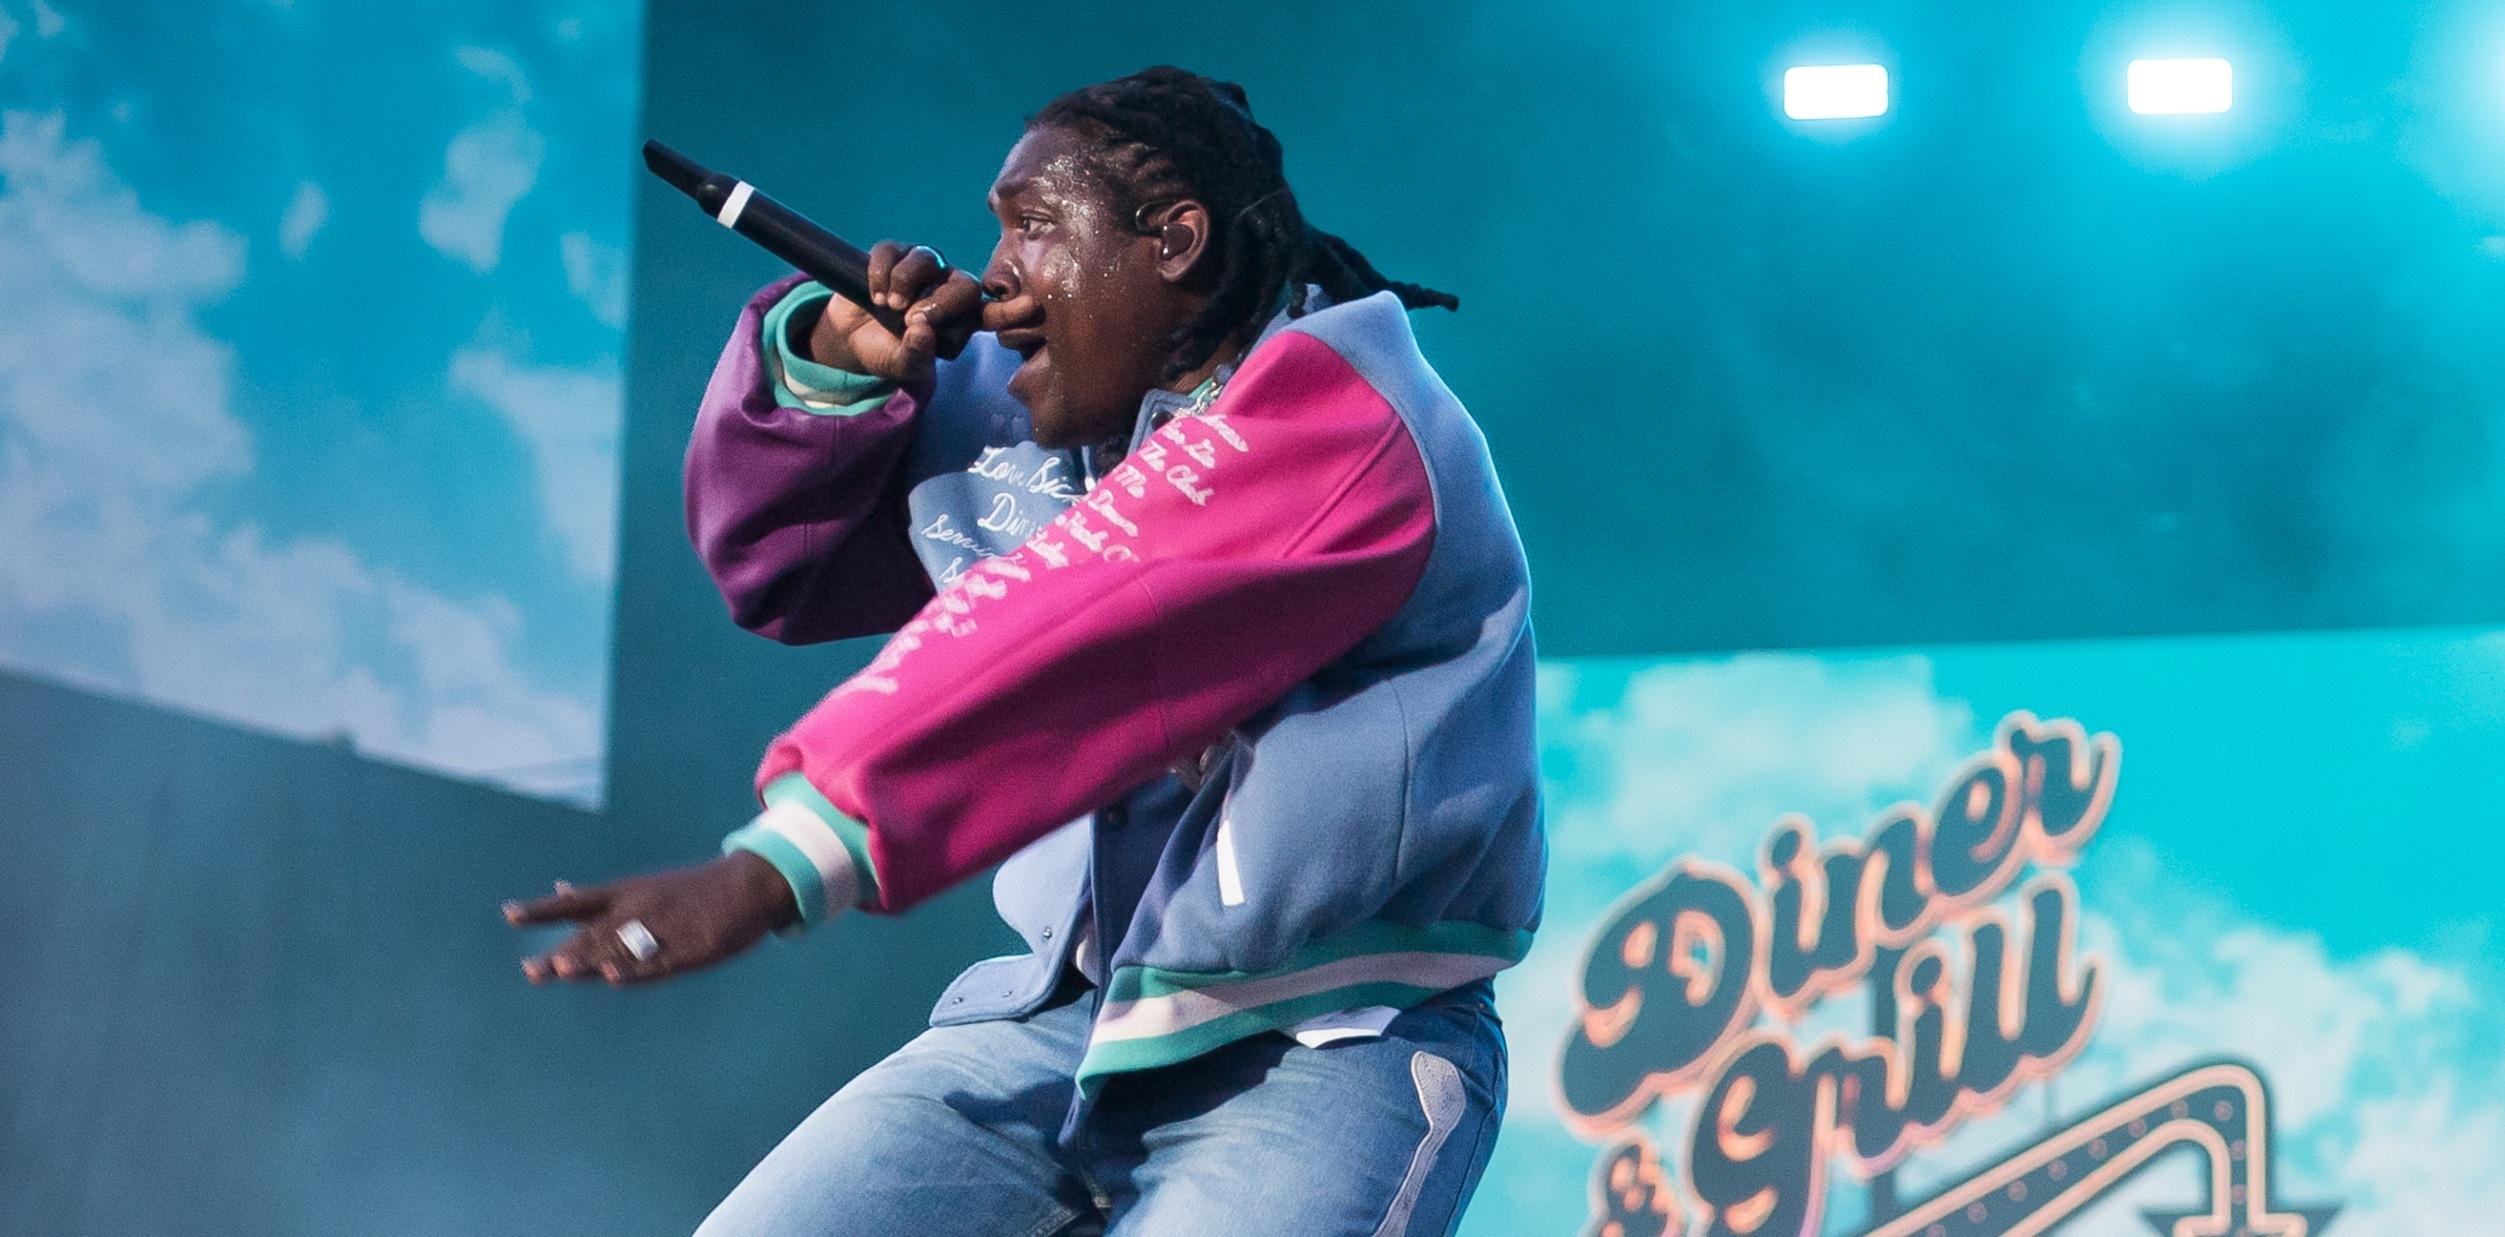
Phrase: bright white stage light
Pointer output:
(2181, 87)
(1835, 91)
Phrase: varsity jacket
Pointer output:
(1246, 700)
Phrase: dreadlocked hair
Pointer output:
(1169, 133)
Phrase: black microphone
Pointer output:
(781, 231)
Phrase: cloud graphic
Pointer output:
(306, 213)
(487, 168)
(478, 711)
(596, 273)
(569, 419)
(116, 435)
(1673, 759)
(1700, 757)
(95, 285)
(2382, 1067)
(496, 67)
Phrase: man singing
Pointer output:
(1210, 619)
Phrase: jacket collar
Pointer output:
(1160, 405)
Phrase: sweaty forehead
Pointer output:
(1053, 164)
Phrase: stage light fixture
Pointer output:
(2181, 87)
(1835, 91)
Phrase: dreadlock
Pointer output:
(1169, 133)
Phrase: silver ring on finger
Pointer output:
(638, 940)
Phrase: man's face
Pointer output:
(1081, 298)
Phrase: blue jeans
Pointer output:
(960, 1132)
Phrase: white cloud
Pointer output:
(2423, 1162)
(569, 419)
(596, 273)
(481, 713)
(2382, 1067)
(305, 215)
(487, 168)
(97, 286)
(1699, 759)
(8, 30)
(116, 432)
(48, 21)
(497, 67)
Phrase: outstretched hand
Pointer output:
(691, 918)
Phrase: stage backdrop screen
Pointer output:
(1989, 938)
(310, 326)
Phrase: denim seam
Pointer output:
(1472, 1167)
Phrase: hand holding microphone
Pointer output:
(896, 309)
(941, 307)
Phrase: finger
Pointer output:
(540, 968)
(567, 903)
(915, 274)
(579, 957)
(831, 334)
(921, 342)
(536, 969)
(622, 967)
(583, 954)
(883, 257)
(628, 972)
(841, 315)
(955, 310)
(879, 350)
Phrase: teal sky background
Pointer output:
(2298, 870)
(2343, 783)
(311, 389)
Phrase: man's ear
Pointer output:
(1182, 229)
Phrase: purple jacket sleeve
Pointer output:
(800, 517)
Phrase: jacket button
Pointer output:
(956, 1000)
(1048, 934)
(1115, 817)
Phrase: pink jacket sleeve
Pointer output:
(1233, 555)
(799, 517)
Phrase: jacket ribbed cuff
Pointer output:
(820, 390)
(822, 854)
